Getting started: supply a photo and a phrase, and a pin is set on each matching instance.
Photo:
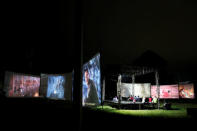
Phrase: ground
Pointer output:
(44, 114)
(109, 118)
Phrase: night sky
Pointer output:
(43, 33)
(126, 29)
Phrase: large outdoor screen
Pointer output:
(92, 82)
(137, 89)
(21, 85)
(186, 91)
(166, 91)
(53, 86)
(57, 86)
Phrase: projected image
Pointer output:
(186, 91)
(55, 87)
(166, 91)
(141, 90)
(125, 89)
(92, 82)
(21, 85)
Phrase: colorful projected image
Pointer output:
(141, 90)
(56, 87)
(186, 91)
(22, 85)
(92, 82)
(166, 91)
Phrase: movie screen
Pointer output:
(92, 82)
(52, 86)
(19, 85)
(166, 91)
(137, 89)
(186, 91)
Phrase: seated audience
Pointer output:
(131, 98)
(155, 99)
(143, 99)
(115, 99)
(150, 100)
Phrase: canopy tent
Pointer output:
(148, 62)
(132, 72)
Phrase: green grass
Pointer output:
(178, 111)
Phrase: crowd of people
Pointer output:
(139, 99)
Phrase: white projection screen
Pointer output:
(140, 89)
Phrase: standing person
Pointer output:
(115, 99)
(92, 96)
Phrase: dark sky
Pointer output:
(122, 30)
(125, 29)
(37, 36)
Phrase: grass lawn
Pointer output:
(179, 110)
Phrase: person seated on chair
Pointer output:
(167, 106)
(143, 99)
(131, 98)
(150, 99)
(115, 99)
(135, 99)
(138, 99)
(155, 100)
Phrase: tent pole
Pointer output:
(133, 81)
(119, 90)
(158, 88)
(103, 92)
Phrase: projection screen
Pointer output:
(139, 89)
(186, 91)
(92, 82)
(166, 91)
(21, 85)
(56, 86)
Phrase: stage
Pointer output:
(131, 105)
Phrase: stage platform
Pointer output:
(131, 105)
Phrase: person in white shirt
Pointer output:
(155, 99)
(143, 99)
(115, 99)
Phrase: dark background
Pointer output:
(43, 37)
(39, 36)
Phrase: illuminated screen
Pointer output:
(141, 90)
(92, 82)
(18, 85)
(186, 91)
(57, 86)
(52, 86)
(166, 91)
